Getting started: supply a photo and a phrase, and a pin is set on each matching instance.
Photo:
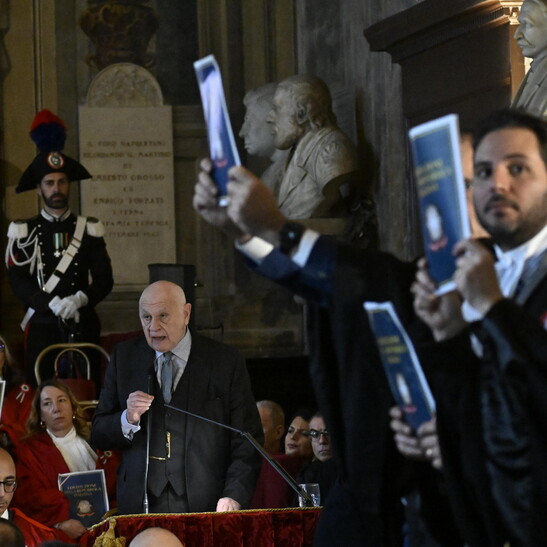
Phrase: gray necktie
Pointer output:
(166, 375)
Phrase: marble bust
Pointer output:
(322, 167)
(531, 36)
(257, 134)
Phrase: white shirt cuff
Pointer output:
(128, 429)
(256, 249)
(304, 248)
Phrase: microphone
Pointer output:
(145, 507)
(285, 476)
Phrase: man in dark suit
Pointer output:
(481, 406)
(487, 367)
(193, 465)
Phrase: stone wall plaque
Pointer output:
(129, 152)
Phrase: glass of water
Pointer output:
(313, 491)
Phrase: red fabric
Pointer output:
(278, 528)
(271, 489)
(16, 410)
(34, 532)
(38, 464)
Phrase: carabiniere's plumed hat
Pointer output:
(48, 132)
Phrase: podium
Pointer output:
(292, 527)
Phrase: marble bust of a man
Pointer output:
(322, 166)
(532, 39)
(257, 134)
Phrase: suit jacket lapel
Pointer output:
(143, 365)
(199, 371)
(535, 279)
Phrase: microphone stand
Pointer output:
(286, 477)
(145, 507)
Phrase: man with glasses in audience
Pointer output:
(34, 532)
(322, 470)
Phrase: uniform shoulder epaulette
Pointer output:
(18, 229)
(95, 227)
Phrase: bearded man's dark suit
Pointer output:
(215, 462)
(471, 396)
(493, 433)
(350, 383)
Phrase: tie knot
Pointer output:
(166, 357)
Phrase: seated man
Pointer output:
(273, 425)
(322, 470)
(193, 465)
(272, 491)
(33, 532)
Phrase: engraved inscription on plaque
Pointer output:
(129, 152)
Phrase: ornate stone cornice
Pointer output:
(511, 8)
(430, 23)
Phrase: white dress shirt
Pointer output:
(181, 354)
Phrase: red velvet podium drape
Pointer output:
(263, 528)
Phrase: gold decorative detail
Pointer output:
(108, 538)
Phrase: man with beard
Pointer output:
(490, 392)
(487, 367)
(57, 263)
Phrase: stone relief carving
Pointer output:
(122, 85)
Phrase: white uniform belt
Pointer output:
(63, 264)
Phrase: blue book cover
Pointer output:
(404, 372)
(86, 493)
(222, 146)
(441, 194)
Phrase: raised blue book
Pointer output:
(441, 194)
(86, 493)
(222, 146)
(404, 372)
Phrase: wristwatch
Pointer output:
(290, 236)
